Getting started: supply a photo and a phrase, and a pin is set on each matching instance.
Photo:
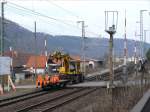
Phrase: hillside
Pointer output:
(23, 40)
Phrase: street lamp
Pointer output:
(111, 20)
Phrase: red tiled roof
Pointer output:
(19, 59)
(39, 61)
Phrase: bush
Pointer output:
(148, 54)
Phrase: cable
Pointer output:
(23, 14)
(39, 14)
(42, 15)
(19, 10)
(71, 13)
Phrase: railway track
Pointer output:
(105, 76)
(20, 95)
(43, 101)
(57, 101)
(26, 96)
(31, 103)
(118, 72)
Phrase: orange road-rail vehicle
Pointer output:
(61, 70)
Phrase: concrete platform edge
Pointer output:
(140, 105)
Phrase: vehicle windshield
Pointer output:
(53, 68)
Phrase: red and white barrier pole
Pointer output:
(1, 89)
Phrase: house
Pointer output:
(36, 63)
(19, 60)
(92, 63)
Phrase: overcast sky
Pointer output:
(70, 11)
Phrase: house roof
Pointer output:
(19, 58)
(77, 58)
(40, 61)
(36, 61)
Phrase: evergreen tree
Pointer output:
(148, 54)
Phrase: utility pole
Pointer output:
(83, 46)
(2, 37)
(45, 48)
(125, 77)
(2, 28)
(135, 55)
(145, 43)
(141, 32)
(35, 39)
(141, 45)
(138, 45)
(145, 32)
(110, 28)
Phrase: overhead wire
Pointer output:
(45, 16)
(35, 12)
(67, 11)
(38, 14)
(24, 13)
(71, 13)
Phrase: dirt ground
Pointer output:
(103, 100)
(18, 91)
(119, 99)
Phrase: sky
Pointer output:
(67, 12)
